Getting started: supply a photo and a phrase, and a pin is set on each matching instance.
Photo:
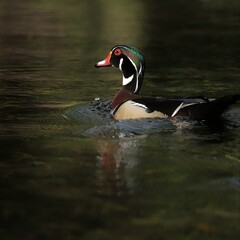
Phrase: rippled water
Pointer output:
(68, 170)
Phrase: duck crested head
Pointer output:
(131, 62)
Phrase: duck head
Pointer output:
(130, 61)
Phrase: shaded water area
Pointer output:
(68, 170)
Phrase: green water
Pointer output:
(68, 173)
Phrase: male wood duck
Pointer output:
(129, 104)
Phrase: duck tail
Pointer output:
(220, 105)
(213, 109)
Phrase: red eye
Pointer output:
(117, 52)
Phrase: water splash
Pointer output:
(95, 119)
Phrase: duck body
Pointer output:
(129, 104)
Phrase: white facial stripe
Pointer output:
(132, 63)
(120, 64)
(127, 80)
(136, 87)
(140, 69)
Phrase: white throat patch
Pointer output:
(127, 80)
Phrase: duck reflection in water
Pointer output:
(116, 160)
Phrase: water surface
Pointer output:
(69, 171)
